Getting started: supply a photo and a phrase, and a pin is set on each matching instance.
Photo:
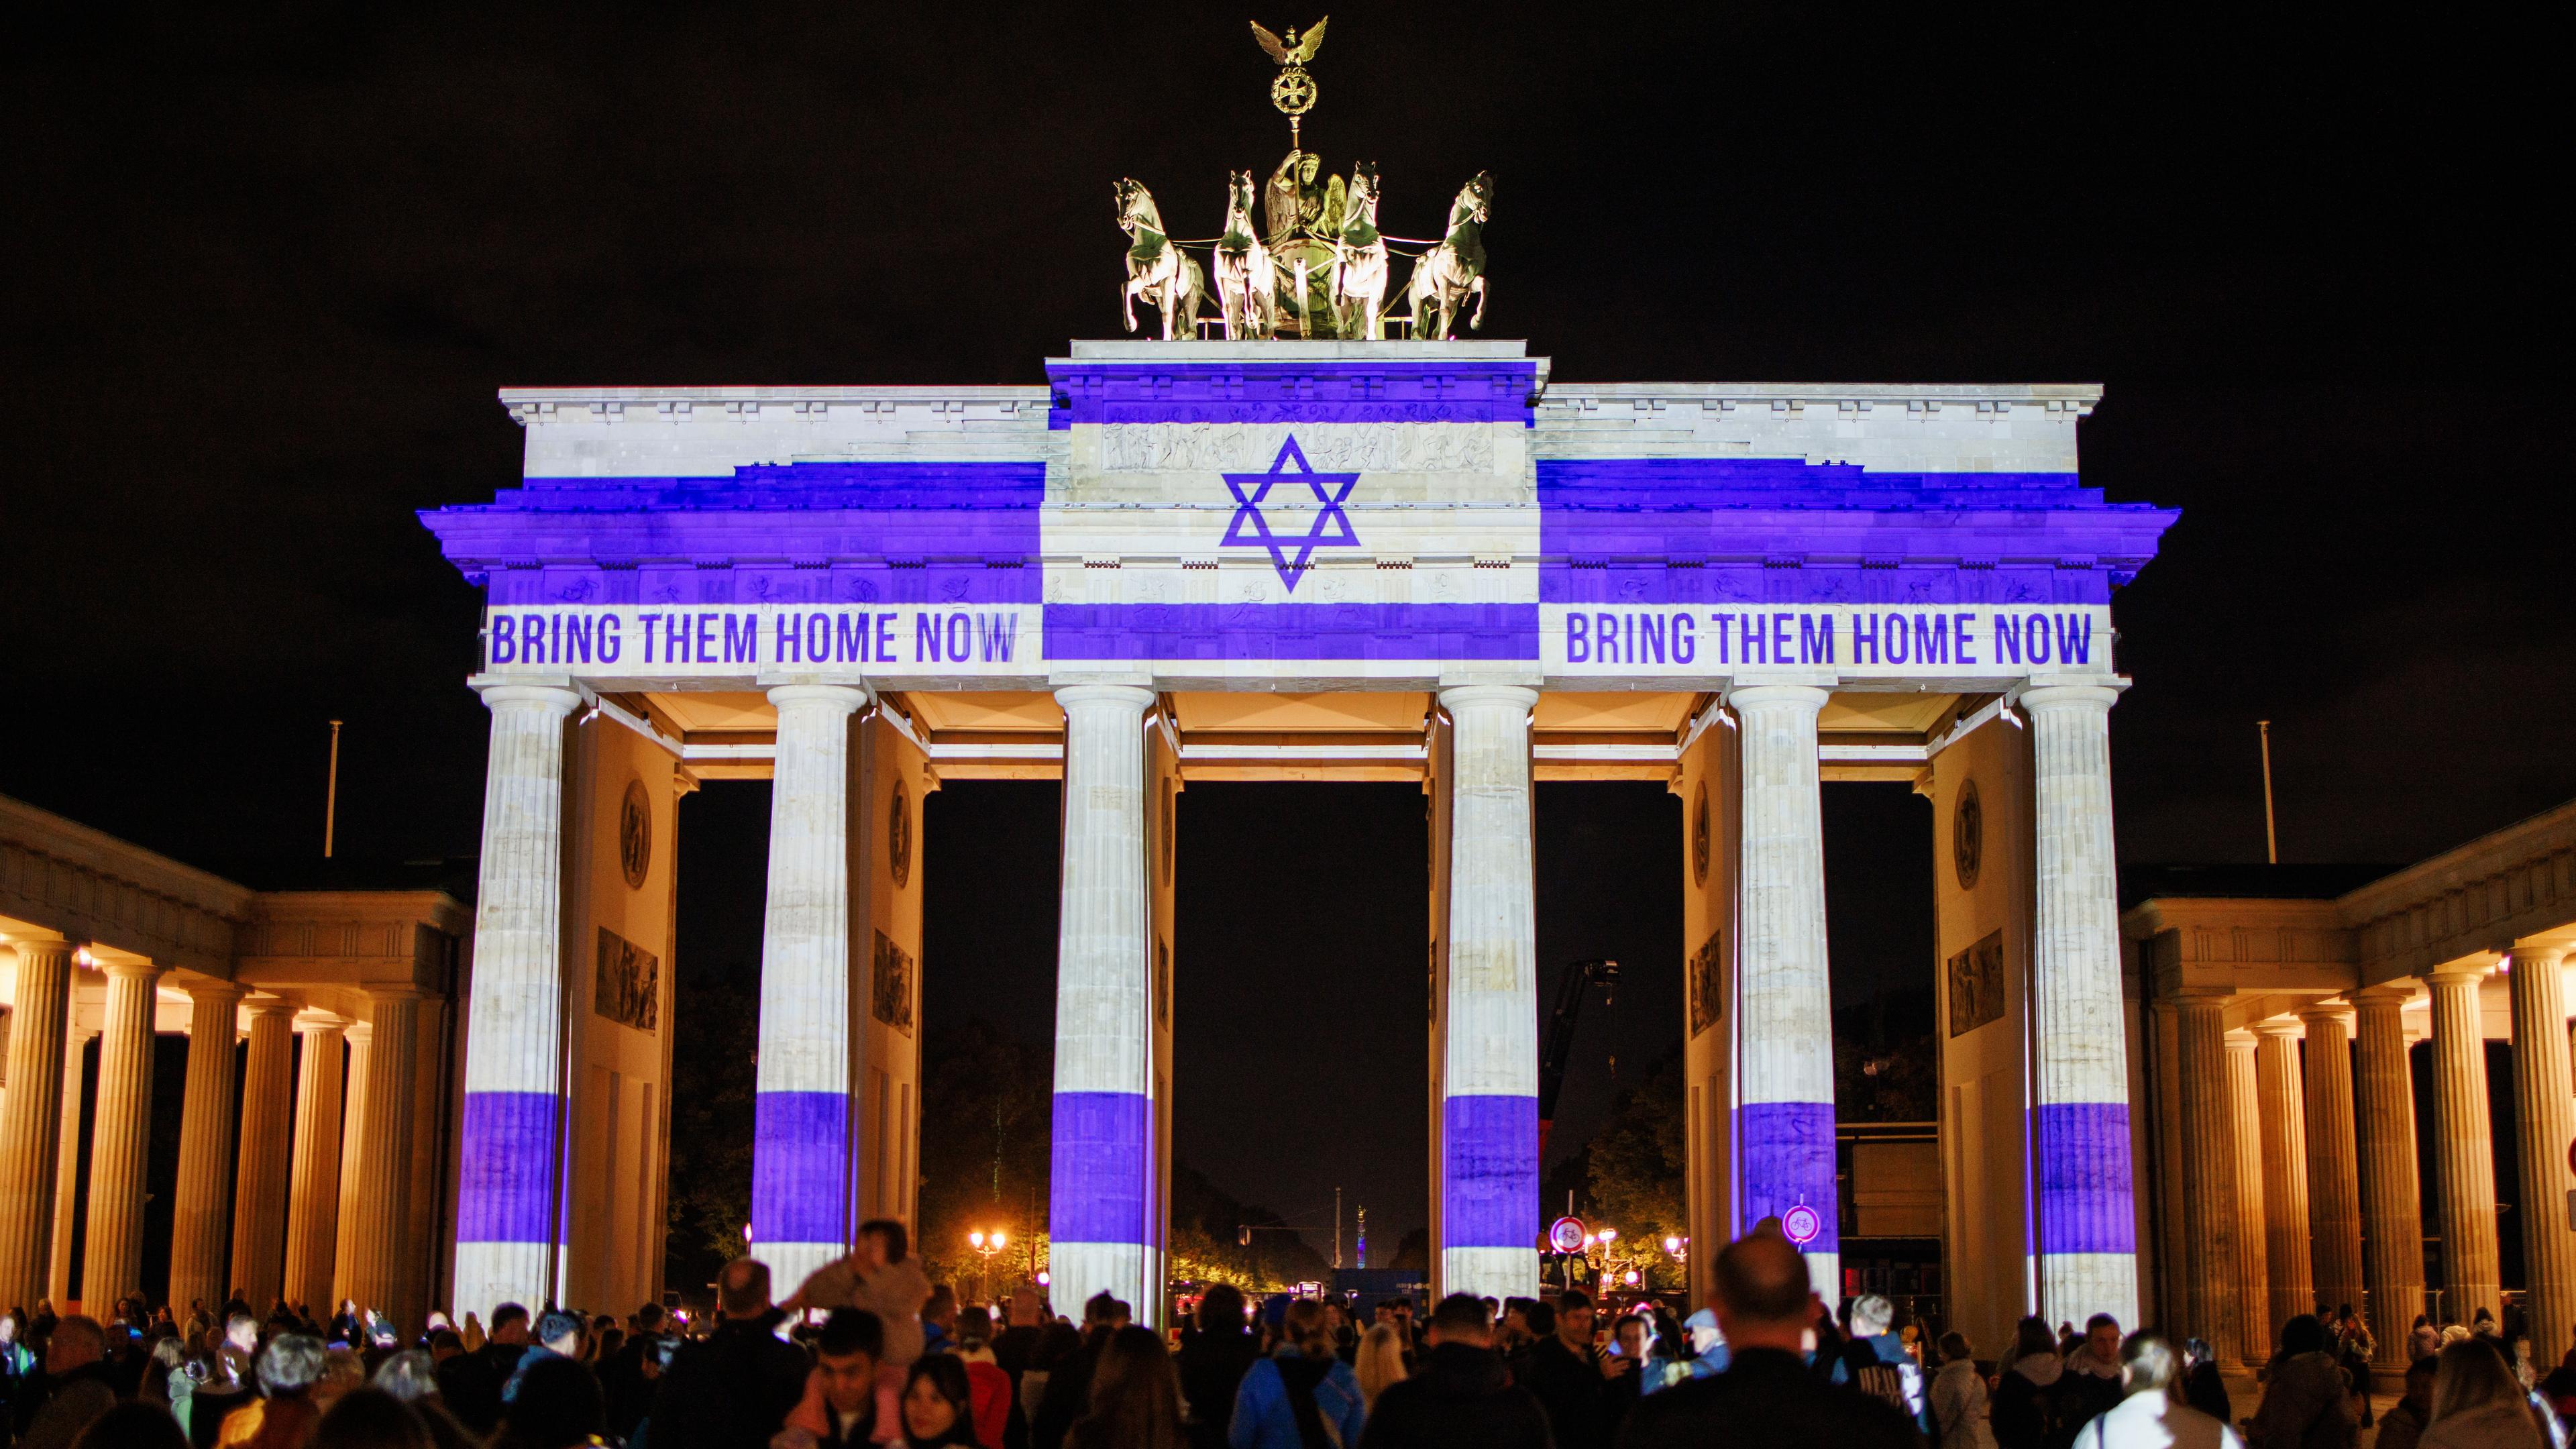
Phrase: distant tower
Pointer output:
(1360, 1249)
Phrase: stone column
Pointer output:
(510, 1134)
(1104, 1005)
(30, 1118)
(2088, 1233)
(379, 1246)
(1489, 1211)
(2211, 1227)
(201, 1223)
(2545, 1123)
(2391, 1219)
(67, 1170)
(353, 1164)
(313, 1216)
(2285, 1170)
(112, 1242)
(803, 1150)
(2463, 1154)
(262, 1162)
(2333, 1161)
(2253, 1260)
(1785, 1041)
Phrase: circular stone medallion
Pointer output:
(1699, 836)
(899, 836)
(635, 833)
(1968, 836)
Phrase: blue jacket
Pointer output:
(1264, 1419)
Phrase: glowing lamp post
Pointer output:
(985, 1246)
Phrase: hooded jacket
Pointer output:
(2022, 1400)
(1959, 1406)
(1461, 1398)
(1266, 1411)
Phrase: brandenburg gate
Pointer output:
(1270, 559)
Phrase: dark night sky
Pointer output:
(266, 264)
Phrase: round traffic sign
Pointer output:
(1566, 1235)
(1801, 1224)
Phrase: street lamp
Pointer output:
(985, 1246)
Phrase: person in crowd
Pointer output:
(471, 1382)
(1299, 1393)
(559, 1335)
(2403, 1426)
(937, 1404)
(229, 1381)
(371, 1419)
(559, 1406)
(839, 1410)
(159, 1372)
(1058, 1345)
(1459, 1394)
(882, 1276)
(1214, 1355)
(2477, 1403)
(75, 1387)
(1878, 1362)
(1378, 1362)
(1958, 1398)
(629, 1376)
(2423, 1340)
(2027, 1389)
(2149, 1416)
(1768, 1395)
(289, 1369)
(1068, 1388)
(733, 1388)
(2558, 1390)
(135, 1425)
(412, 1376)
(1135, 1399)
(1568, 1374)
(2091, 1383)
(1626, 1366)
(2204, 1386)
(2307, 1401)
(988, 1385)
(939, 1319)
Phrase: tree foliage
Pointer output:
(716, 1026)
(987, 1129)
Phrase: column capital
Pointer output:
(556, 692)
(265, 1003)
(2241, 1040)
(2539, 951)
(213, 990)
(2098, 692)
(2390, 994)
(315, 1019)
(359, 1033)
(2327, 1010)
(1508, 695)
(2459, 973)
(2279, 1027)
(1811, 696)
(128, 967)
(848, 692)
(1127, 695)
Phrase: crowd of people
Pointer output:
(869, 1352)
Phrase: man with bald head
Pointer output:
(1766, 1396)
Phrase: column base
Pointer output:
(1490, 1272)
(1077, 1271)
(491, 1274)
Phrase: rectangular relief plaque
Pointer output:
(890, 996)
(1708, 983)
(627, 988)
(1977, 985)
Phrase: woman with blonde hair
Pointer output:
(2477, 1404)
(1302, 1395)
(1381, 1361)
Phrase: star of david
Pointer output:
(1250, 529)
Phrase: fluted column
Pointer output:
(1103, 1152)
(353, 1160)
(2391, 1217)
(67, 1169)
(2285, 1172)
(313, 1212)
(30, 1117)
(1489, 1209)
(201, 1220)
(510, 1137)
(262, 1162)
(2333, 1158)
(802, 1143)
(2211, 1228)
(2253, 1258)
(2088, 1234)
(1785, 1111)
(375, 1214)
(112, 1242)
(2545, 1122)
(2463, 1150)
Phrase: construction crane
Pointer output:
(1571, 989)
